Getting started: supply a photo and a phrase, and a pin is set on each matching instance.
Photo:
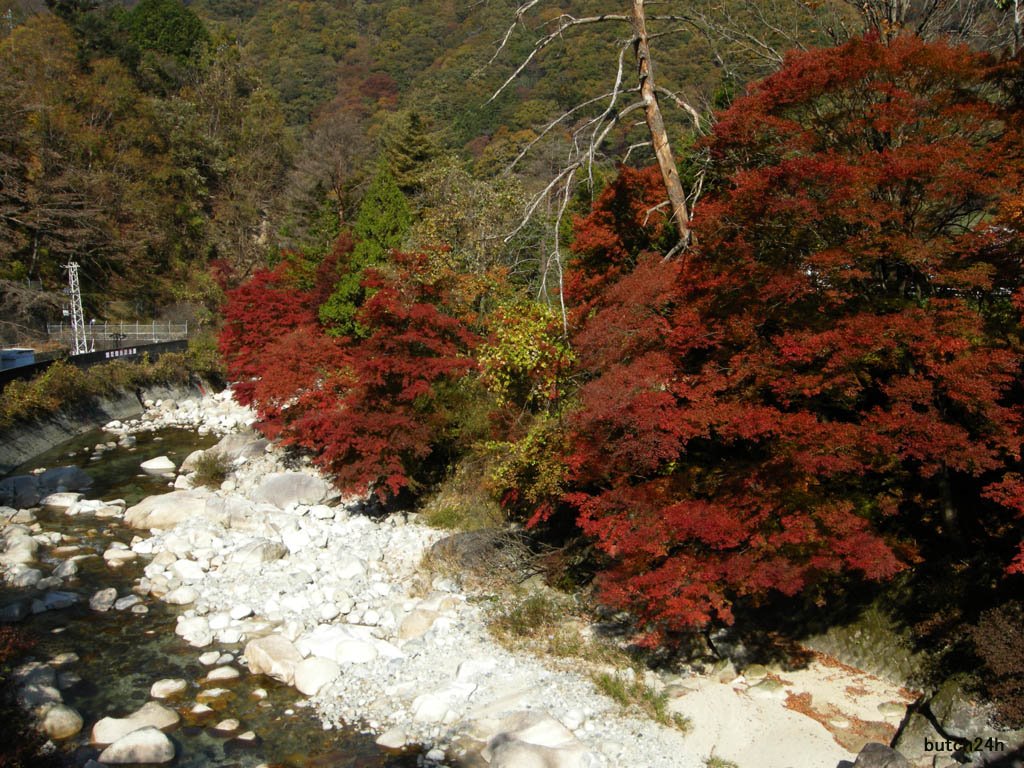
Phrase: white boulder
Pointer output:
(314, 673)
(284, 488)
(166, 510)
(149, 715)
(60, 722)
(145, 746)
(273, 655)
(158, 466)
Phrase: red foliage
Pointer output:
(266, 308)
(835, 366)
(625, 222)
(367, 409)
(389, 417)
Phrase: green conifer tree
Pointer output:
(382, 225)
(409, 148)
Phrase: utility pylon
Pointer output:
(77, 316)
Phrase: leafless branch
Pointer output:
(563, 23)
(685, 106)
(550, 126)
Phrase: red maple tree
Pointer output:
(832, 377)
(370, 411)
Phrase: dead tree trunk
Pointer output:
(655, 124)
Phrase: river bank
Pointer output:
(23, 441)
(277, 575)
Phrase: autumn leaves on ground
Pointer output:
(822, 393)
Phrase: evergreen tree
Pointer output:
(409, 148)
(382, 225)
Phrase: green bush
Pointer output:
(63, 385)
(211, 469)
(461, 503)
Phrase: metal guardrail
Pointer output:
(133, 354)
(119, 333)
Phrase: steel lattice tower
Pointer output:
(77, 316)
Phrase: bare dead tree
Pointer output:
(644, 92)
(588, 136)
(981, 24)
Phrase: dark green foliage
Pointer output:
(211, 469)
(381, 226)
(409, 148)
(167, 27)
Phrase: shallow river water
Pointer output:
(122, 654)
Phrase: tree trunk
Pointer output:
(655, 124)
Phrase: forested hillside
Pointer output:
(161, 144)
(721, 302)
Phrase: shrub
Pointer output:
(63, 385)
(211, 469)
(462, 503)
(528, 616)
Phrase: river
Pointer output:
(122, 653)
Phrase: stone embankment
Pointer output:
(25, 440)
(277, 575)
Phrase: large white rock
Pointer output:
(60, 722)
(355, 652)
(257, 552)
(428, 708)
(348, 567)
(527, 726)
(241, 444)
(533, 739)
(188, 570)
(103, 600)
(66, 570)
(149, 715)
(181, 596)
(158, 466)
(61, 501)
(223, 673)
(194, 630)
(146, 746)
(22, 576)
(314, 673)
(19, 546)
(274, 656)
(115, 557)
(416, 624)
(522, 754)
(164, 689)
(284, 488)
(322, 641)
(166, 510)
(394, 738)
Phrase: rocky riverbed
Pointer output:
(277, 575)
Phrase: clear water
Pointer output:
(122, 654)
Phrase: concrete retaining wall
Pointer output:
(26, 440)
